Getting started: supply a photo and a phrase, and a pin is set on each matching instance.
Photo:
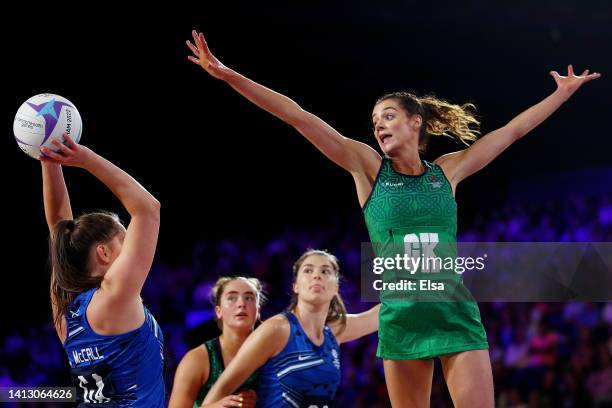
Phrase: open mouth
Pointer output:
(384, 138)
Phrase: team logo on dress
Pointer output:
(336, 360)
(434, 181)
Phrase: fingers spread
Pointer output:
(594, 75)
(194, 60)
(193, 48)
(203, 40)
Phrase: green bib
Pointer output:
(215, 361)
(417, 216)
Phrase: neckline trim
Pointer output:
(426, 166)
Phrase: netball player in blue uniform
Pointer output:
(298, 351)
(113, 343)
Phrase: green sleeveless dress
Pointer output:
(215, 361)
(418, 214)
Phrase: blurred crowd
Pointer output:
(543, 354)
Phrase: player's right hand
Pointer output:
(203, 57)
(68, 153)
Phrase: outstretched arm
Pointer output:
(459, 165)
(357, 325)
(353, 156)
(57, 207)
(55, 194)
(266, 341)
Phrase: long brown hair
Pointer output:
(219, 288)
(337, 310)
(440, 118)
(70, 243)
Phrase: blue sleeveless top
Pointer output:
(303, 374)
(124, 370)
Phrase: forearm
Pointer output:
(217, 392)
(273, 102)
(370, 320)
(135, 198)
(359, 325)
(55, 194)
(534, 116)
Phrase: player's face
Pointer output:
(316, 281)
(238, 307)
(393, 127)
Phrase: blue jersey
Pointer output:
(303, 374)
(124, 370)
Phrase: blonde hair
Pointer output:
(440, 117)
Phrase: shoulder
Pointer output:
(194, 365)
(449, 158)
(278, 324)
(450, 163)
(191, 374)
(273, 334)
(336, 329)
(196, 356)
(369, 159)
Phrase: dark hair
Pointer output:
(217, 292)
(337, 310)
(69, 251)
(440, 118)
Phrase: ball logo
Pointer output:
(43, 118)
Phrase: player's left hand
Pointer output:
(570, 83)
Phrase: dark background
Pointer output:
(221, 167)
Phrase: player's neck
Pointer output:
(312, 318)
(231, 340)
(407, 162)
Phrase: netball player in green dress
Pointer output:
(237, 303)
(406, 198)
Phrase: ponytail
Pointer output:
(440, 118)
(69, 247)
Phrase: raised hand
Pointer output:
(69, 153)
(203, 57)
(570, 83)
